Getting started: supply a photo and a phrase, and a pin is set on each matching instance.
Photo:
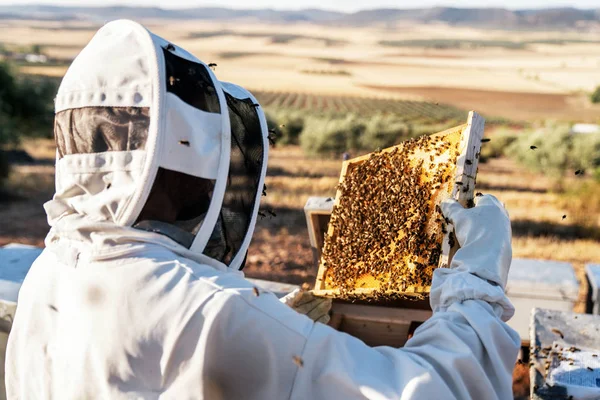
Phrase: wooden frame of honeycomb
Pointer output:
(387, 233)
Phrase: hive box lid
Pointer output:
(15, 261)
(542, 279)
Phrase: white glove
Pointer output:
(315, 308)
(484, 235)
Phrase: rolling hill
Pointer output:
(555, 18)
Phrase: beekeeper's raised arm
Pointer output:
(139, 291)
(463, 351)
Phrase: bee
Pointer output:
(590, 368)
(458, 183)
(468, 162)
(170, 47)
(533, 147)
(261, 215)
(451, 240)
(478, 194)
(564, 217)
(255, 291)
(485, 140)
(212, 65)
(579, 172)
(264, 191)
(271, 212)
(184, 143)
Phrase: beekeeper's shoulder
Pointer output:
(233, 295)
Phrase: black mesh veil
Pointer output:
(178, 203)
(166, 119)
(239, 201)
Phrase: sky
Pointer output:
(338, 5)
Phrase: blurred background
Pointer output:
(341, 77)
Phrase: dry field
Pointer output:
(520, 75)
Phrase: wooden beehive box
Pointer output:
(386, 233)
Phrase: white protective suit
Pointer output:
(139, 292)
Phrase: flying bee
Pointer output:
(255, 291)
(485, 140)
(564, 216)
(184, 143)
(212, 65)
(558, 332)
(579, 172)
(271, 212)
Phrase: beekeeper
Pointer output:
(139, 294)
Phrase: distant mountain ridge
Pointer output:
(555, 18)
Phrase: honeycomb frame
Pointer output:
(464, 172)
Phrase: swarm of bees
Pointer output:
(386, 230)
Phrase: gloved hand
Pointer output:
(304, 302)
(484, 235)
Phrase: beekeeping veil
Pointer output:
(149, 139)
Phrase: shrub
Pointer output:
(287, 125)
(26, 109)
(383, 131)
(332, 136)
(595, 97)
(557, 152)
(497, 147)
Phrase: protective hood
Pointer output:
(149, 139)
